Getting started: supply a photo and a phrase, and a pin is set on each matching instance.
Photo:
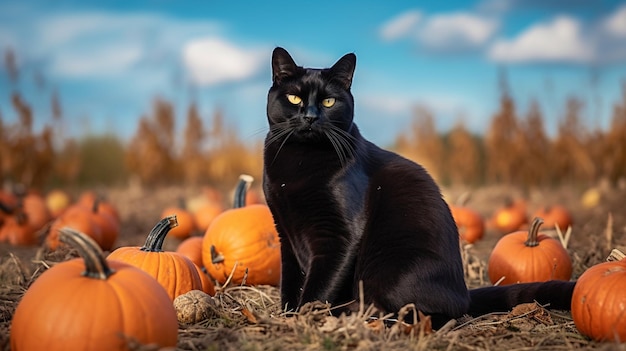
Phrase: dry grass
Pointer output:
(250, 318)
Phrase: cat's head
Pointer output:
(310, 104)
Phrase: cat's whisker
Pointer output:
(282, 132)
(337, 146)
(345, 139)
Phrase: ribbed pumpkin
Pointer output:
(91, 304)
(599, 302)
(243, 239)
(527, 256)
(176, 273)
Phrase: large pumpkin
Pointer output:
(243, 241)
(176, 273)
(91, 304)
(528, 256)
(599, 302)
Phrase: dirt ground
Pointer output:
(596, 230)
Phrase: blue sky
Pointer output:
(108, 60)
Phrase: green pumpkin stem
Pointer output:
(533, 232)
(241, 190)
(96, 266)
(154, 241)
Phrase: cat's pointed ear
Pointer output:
(343, 70)
(282, 65)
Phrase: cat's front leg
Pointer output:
(324, 278)
(292, 278)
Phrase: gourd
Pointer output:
(90, 303)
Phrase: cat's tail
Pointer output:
(556, 294)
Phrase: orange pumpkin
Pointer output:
(192, 249)
(510, 217)
(186, 222)
(527, 256)
(206, 213)
(34, 206)
(243, 241)
(88, 198)
(553, 216)
(599, 302)
(108, 223)
(91, 304)
(470, 223)
(175, 272)
(78, 218)
(17, 230)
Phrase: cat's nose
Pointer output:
(311, 114)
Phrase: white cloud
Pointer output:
(213, 60)
(400, 26)
(450, 31)
(560, 40)
(616, 23)
(101, 61)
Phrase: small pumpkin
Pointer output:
(175, 272)
(510, 217)
(186, 221)
(57, 201)
(206, 213)
(108, 223)
(17, 230)
(88, 198)
(34, 206)
(553, 216)
(470, 223)
(80, 219)
(528, 256)
(192, 249)
(599, 302)
(243, 240)
(89, 303)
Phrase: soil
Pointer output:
(249, 318)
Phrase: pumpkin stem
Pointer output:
(156, 237)
(95, 264)
(215, 257)
(240, 191)
(533, 232)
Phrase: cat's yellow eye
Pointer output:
(328, 102)
(294, 99)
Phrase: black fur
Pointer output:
(348, 211)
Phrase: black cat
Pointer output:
(348, 211)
